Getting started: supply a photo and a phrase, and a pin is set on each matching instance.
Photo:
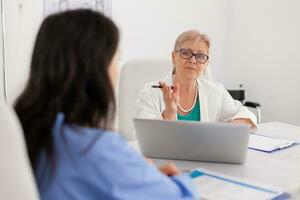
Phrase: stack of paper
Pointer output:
(213, 186)
(268, 144)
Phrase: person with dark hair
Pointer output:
(67, 110)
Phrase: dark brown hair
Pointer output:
(68, 74)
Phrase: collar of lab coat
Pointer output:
(168, 79)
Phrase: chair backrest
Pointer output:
(134, 74)
(238, 95)
(16, 178)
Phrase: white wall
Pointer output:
(22, 18)
(253, 42)
(150, 27)
(264, 46)
(1, 67)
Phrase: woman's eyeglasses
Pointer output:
(188, 54)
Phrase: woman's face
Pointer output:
(190, 69)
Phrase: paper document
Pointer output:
(213, 186)
(268, 144)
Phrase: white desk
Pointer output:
(280, 168)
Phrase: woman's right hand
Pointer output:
(169, 169)
(171, 99)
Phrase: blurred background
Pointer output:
(255, 43)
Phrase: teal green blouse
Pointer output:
(194, 115)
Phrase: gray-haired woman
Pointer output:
(185, 94)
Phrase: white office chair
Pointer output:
(16, 178)
(134, 75)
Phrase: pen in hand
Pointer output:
(159, 86)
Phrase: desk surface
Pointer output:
(280, 168)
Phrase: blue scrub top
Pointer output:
(97, 164)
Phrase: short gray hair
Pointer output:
(191, 35)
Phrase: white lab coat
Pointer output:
(216, 104)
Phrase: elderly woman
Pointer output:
(185, 95)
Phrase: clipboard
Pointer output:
(214, 186)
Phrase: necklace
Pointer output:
(195, 100)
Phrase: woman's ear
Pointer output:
(173, 57)
(173, 62)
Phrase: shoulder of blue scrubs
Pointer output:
(108, 168)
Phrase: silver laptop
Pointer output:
(199, 141)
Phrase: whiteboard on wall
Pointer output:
(54, 6)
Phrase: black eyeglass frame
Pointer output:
(192, 54)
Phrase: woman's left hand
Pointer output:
(244, 121)
(169, 169)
